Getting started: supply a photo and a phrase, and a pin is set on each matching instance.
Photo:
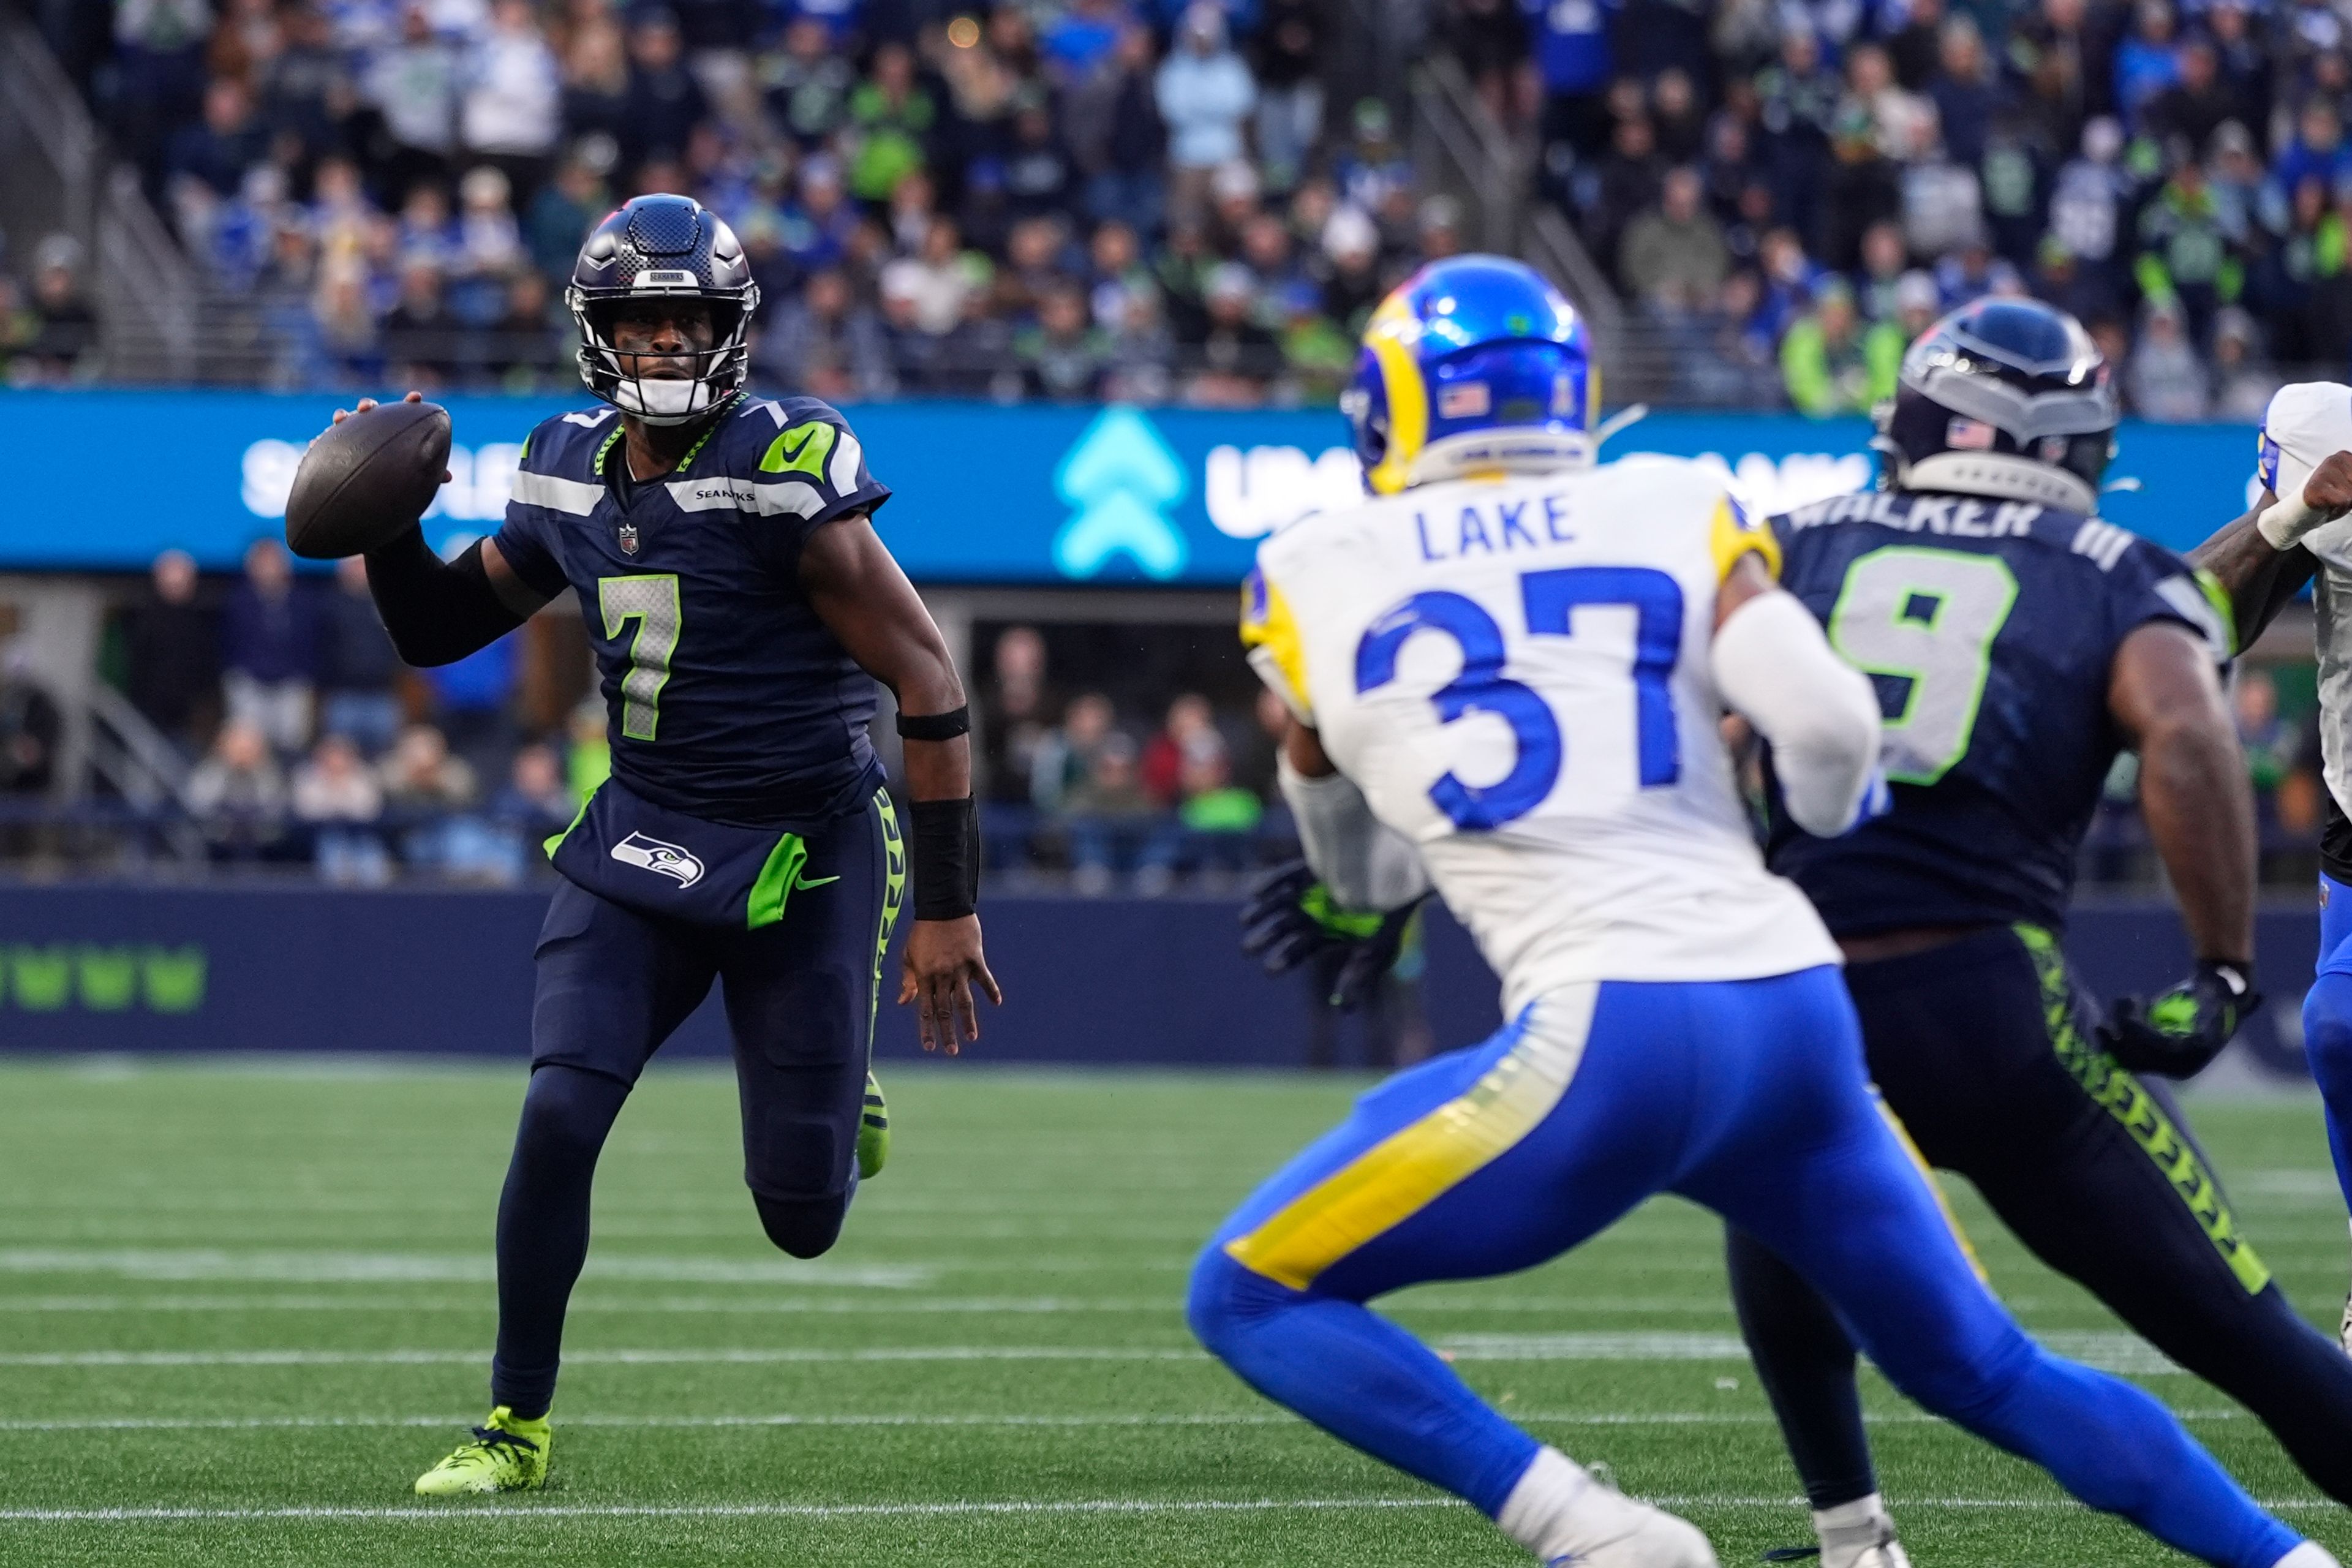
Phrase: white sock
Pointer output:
(1540, 1514)
(1847, 1515)
(2310, 1554)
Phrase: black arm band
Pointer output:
(437, 611)
(945, 857)
(944, 726)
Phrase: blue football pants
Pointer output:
(2327, 1023)
(1747, 1097)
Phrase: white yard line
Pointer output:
(1103, 1419)
(300, 1266)
(1169, 1305)
(717, 1357)
(505, 1516)
(2110, 1351)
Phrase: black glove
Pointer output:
(2176, 1034)
(1289, 919)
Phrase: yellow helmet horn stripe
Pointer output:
(1408, 398)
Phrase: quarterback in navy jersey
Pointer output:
(2018, 644)
(742, 610)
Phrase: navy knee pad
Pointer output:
(806, 1227)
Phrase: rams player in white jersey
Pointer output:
(1508, 672)
(2296, 533)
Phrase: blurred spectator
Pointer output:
(890, 114)
(1063, 357)
(1218, 812)
(2185, 258)
(160, 67)
(1575, 64)
(473, 702)
(173, 650)
(2242, 382)
(2269, 742)
(1191, 725)
(562, 213)
(65, 332)
(1113, 827)
(1119, 138)
(1204, 93)
(270, 650)
(807, 83)
(413, 84)
(1674, 257)
(237, 794)
(664, 101)
(1014, 708)
(421, 775)
(536, 804)
(358, 668)
(1066, 755)
(336, 796)
(30, 728)
(1826, 362)
(1235, 355)
(421, 337)
(513, 95)
(2164, 379)
(1290, 89)
(215, 151)
(825, 343)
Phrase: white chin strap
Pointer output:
(664, 401)
(2002, 476)
(1503, 450)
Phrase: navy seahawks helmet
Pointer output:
(2006, 399)
(663, 246)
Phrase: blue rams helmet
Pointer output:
(1474, 363)
(673, 248)
(2005, 398)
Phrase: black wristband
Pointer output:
(944, 857)
(944, 726)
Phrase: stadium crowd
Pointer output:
(310, 744)
(1095, 199)
(1128, 758)
(1789, 189)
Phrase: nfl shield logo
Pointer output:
(629, 539)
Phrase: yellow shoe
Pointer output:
(504, 1455)
(873, 1132)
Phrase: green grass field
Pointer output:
(242, 1306)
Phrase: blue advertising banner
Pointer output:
(299, 967)
(1032, 494)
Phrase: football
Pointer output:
(366, 479)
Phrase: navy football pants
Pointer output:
(1747, 1097)
(1985, 1049)
(612, 985)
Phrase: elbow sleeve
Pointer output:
(1776, 670)
(1367, 863)
(437, 611)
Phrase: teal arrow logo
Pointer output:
(1121, 479)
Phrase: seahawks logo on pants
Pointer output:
(663, 859)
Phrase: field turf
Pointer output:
(242, 1306)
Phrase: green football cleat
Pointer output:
(504, 1455)
(873, 1133)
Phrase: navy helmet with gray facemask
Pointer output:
(663, 247)
(2004, 399)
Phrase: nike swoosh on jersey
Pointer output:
(799, 882)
